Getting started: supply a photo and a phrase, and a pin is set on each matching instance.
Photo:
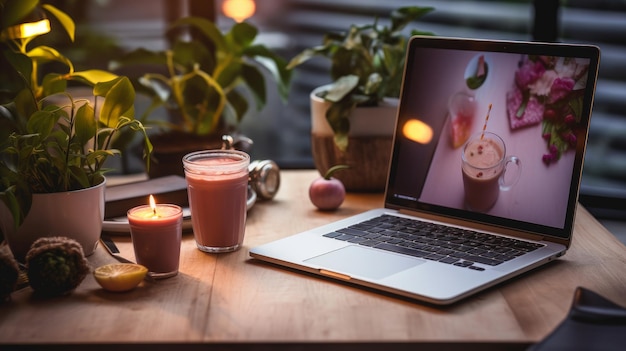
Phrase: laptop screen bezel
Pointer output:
(499, 46)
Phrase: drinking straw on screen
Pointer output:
(485, 125)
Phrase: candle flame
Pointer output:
(153, 204)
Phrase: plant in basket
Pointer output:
(367, 63)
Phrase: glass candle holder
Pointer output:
(156, 234)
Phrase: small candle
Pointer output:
(156, 232)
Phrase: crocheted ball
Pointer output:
(56, 265)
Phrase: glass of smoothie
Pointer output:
(484, 163)
(217, 186)
(462, 108)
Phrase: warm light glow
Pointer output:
(417, 131)
(27, 30)
(239, 10)
(153, 205)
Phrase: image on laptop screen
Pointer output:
(492, 136)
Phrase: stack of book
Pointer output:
(168, 189)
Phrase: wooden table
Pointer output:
(236, 302)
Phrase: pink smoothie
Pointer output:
(218, 204)
(481, 172)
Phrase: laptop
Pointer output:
(484, 175)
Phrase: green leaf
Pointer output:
(522, 107)
(93, 76)
(374, 81)
(43, 54)
(238, 104)
(18, 200)
(25, 105)
(474, 82)
(243, 34)
(205, 27)
(13, 12)
(229, 73)
(139, 56)
(119, 97)
(53, 83)
(341, 140)
(275, 64)
(204, 128)
(42, 122)
(137, 126)
(25, 147)
(337, 117)
(85, 124)
(421, 32)
(342, 87)
(404, 15)
(103, 88)
(158, 84)
(307, 54)
(78, 174)
(195, 53)
(16, 69)
(256, 82)
(351, 62)
(188, 54)
(104, 134)
(577, 107)
(65, 20)
(195, 90)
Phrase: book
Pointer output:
(168, 189)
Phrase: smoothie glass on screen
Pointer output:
(484, 163)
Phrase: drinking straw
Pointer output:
(485, 125)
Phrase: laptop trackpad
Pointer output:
(357, 260)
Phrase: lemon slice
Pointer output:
(120, 276)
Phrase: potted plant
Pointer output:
(205, 82)
(367, 63)
(54, 145)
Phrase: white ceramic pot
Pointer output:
(369, 143)
(74, 214)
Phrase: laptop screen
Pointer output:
(493, 132)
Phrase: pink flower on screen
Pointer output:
(561, 87)
(548, 90)
(528, 73)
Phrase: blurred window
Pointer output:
(281, 131)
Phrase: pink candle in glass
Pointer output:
(156, 231)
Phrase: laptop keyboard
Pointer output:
(455, 246)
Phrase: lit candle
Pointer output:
(239, 10)
(156, 231)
